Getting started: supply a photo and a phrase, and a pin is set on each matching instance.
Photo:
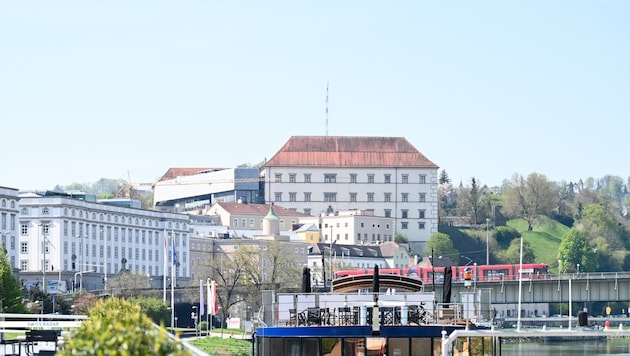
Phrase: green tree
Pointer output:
(442, 245)
(444, 178)
(529, 198)
(119, 327)
(513, 254)
(400, 239)
(154, 308)
(575, 249)
(10, 289)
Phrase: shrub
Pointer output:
(118, 327)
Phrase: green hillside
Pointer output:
(545, 239)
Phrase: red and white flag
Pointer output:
(213, 301)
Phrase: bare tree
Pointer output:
(529, 197)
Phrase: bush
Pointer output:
(203, 325)
(118, 327)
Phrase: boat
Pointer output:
(366, 315)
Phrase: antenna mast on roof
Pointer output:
(326, 108)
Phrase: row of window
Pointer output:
(4, 203)
(4, 218)
(136, 268)
(94, 230)
(46, 211)
(252, 223)
(370, 178)
(332, 197)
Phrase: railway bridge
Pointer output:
(576, 287)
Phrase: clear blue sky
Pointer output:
(92, 89)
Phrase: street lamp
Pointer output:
(193, 316)
(578, 268)
(487, 243)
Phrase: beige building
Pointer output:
(240, 216)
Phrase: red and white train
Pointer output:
(480, 273)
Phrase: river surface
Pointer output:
(569, 348)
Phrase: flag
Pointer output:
(174, 254)
(202, 310)
(213, 302)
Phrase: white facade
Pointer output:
(357, 227)
(408, 195)
(59, 234)
(9, 211)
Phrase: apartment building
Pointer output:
(354, 227)
(327, 174)
(61, 234)
(9, 211)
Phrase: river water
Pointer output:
(569, 348)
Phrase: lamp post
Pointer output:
(330, 257)
(193, 316)
(44, 227)
(487, 242)
(578, 269)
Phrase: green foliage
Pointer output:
(399, 238)
(118, 327)
(442, 245)
(223, 347)
(203, 325)
(505, 235)
(154, 308)
(10, 290)
(513, 253)
(574, 249)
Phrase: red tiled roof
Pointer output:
(173, 173)
(257, 209)
(349, 151)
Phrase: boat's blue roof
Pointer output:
(355, 331)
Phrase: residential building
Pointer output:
(9, 211)
(354, 227)
(341, 257)
(61, 235)
(327, 174)
(241, 216)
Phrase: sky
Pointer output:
(484, 89)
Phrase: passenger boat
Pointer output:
(366, 315)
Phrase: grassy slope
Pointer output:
(544, 239)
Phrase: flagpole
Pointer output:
(164, 266)
(173, 284)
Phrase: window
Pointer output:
(421, 214)
(330, 197)
(388, 213)
(404, 214)
(388, 178)
(23, 247)
(278, 177)
(421, 225)
(307, 177)
(292, 178)
(243, 222)
(403, 225)
(307, 211)
(405, 179)
(353, 197)
(235, 223)
(422, 179)
(404, 197)
(370, 197)
(252, 223)
(371, 178)
(278, 197)
(24, 229)
(23, 265)
(330, 178)
(292, 196)
(423, 197)
(388, 197)
(307, 196)
(353, 178)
